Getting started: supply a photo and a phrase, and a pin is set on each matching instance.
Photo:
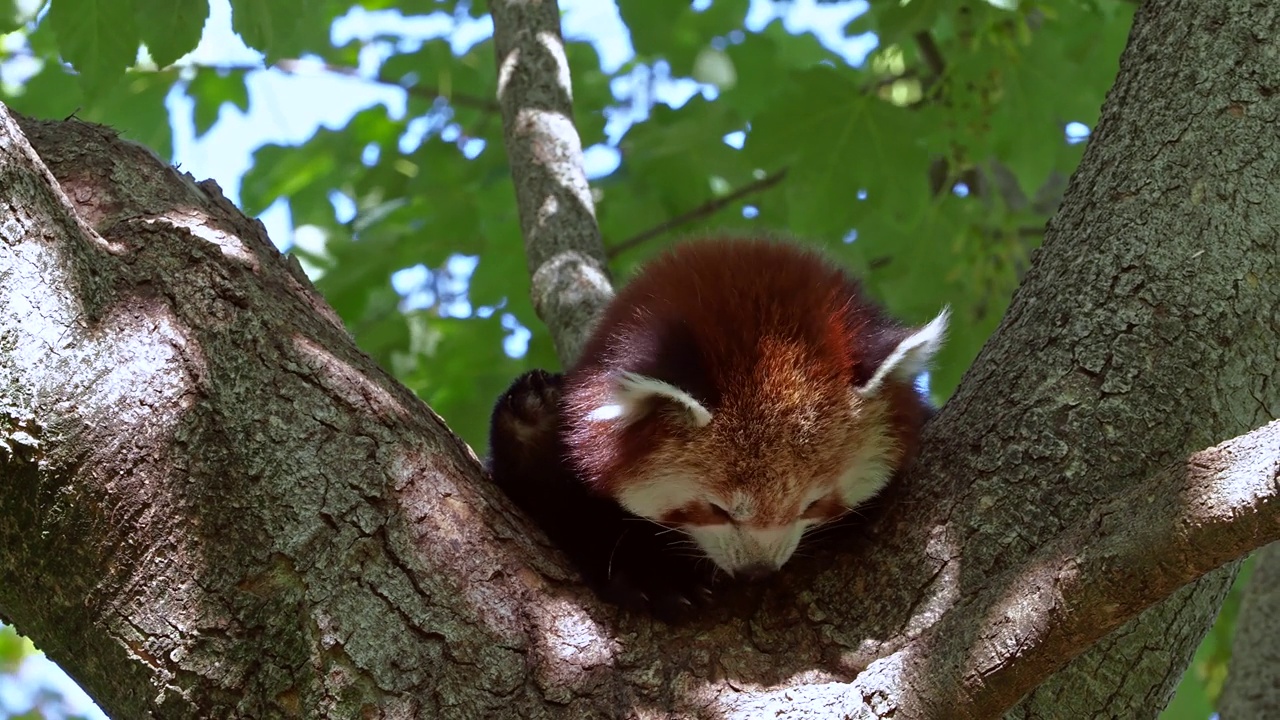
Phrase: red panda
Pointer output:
(739, 391)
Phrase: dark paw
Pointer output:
(648, 575)
(522, 431)
(627, 561)
(531, 405)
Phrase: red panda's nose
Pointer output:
(755, 571)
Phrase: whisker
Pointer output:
(608, 572)
(665, 528)
(820, 531)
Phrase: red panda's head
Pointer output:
(744, 392)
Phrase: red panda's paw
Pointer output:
(522, 431)
(530, 407)
(670, 606)
(649, 575)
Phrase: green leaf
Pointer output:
(286, 172)
(136, 109)
(837, 142)
(657, 27)
(433, 71)
(98, 37)
(51, 93)
(459, 368)
(760, 74)
(893, 20)
(680, 155)
(9, 20)
(799, 51)
(502, 276)
(1014, 99)
(592, 91)
(268, 25)
(171, 28)
(673, 30)
(13, 649)
(211, 89)
(1191, 701)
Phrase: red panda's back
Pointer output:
(730, 313)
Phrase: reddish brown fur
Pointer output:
(767, 335)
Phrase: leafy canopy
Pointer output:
(929, 165)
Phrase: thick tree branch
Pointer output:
(211, 503)
(1251, 690)
(557, 215)
(1132, 551)
(1164, 345)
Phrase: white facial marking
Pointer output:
(814, 496)
(655, 497)
(867, 472)
(631, 393)
(862, 482)
(912, 355)
(734, 547)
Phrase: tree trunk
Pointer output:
(1251, 690)
(213, 505)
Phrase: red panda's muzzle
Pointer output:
(746, 551)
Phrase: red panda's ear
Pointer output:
(633, 396)
(910, 357)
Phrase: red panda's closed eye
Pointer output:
(720, 513)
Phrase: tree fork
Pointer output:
(212, 504)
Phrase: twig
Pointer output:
(930, 53)
(704, 210)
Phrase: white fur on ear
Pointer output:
(912, 355)
(632, 393)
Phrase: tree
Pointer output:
(217, 505)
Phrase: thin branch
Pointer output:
(704, 210)
(569, 282)
(930, 53)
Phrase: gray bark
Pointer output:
(1252, 689)
(1174, 335)
(213, 505)
(569, 279)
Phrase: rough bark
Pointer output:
(1251, 690)
(1178, 193)
(213, 505)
